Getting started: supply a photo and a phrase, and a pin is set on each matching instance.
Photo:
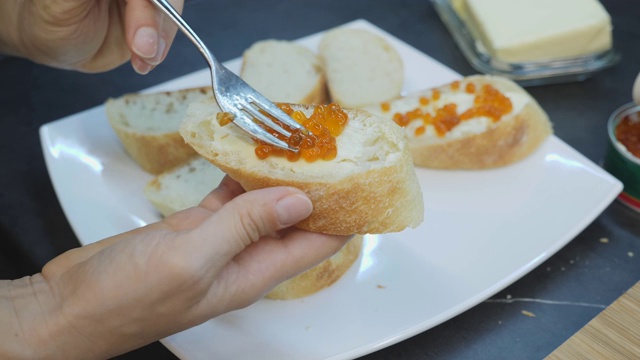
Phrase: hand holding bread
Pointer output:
(370, 187)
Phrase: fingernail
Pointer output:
(145, 42)
(160, 52)
(293, 209)
(140, 66)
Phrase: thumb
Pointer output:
(250, 216)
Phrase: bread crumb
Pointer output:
(630, 254)
(528, 313)
(381, 286)
(604, 240)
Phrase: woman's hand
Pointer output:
(126, 291)
(87, 35)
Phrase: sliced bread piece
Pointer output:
(369, 187)
(284, 71)
(361, 67)
(320, 276)
(183, 186)
(147, 125)
(503, 123)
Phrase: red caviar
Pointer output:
(628, 133)
(488, 102)
(316, 141)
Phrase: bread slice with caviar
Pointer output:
(186, 185)
(368, 186)
(478, 122)
(361, 67)
(284, 71)
(147, 126)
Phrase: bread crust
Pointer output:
(154, 151)
(373, 200)
(321, 276)
(510, 141)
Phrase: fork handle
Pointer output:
(171, 12)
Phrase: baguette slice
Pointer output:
(477, 143)
(147, 126)
(185, 186)
(370, 187)
(320, 276)
(361, 67)
(284, 71)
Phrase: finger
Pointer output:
(143, 23)
(227, 190)
(275, 260)
(245, 219)
(168, 29)
(265, 264)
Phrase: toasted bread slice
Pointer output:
(361, 67)
(370, 187)
(475, 143)
(284, 71)
(185, 186)
(147, 125)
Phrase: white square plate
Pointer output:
(482, 231)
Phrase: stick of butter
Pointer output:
(538, 30)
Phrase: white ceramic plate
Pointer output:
(482, 231)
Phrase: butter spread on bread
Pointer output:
(476, 142)
(369, 187)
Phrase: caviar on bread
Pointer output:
(368, 185)
(477, 122)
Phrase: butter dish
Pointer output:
(526, 66)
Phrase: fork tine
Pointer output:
(272, 109)
(254, 129)
(253, 111)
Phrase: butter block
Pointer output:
(539, 30)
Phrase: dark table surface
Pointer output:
(587, 271)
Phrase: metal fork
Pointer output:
(234, 95)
